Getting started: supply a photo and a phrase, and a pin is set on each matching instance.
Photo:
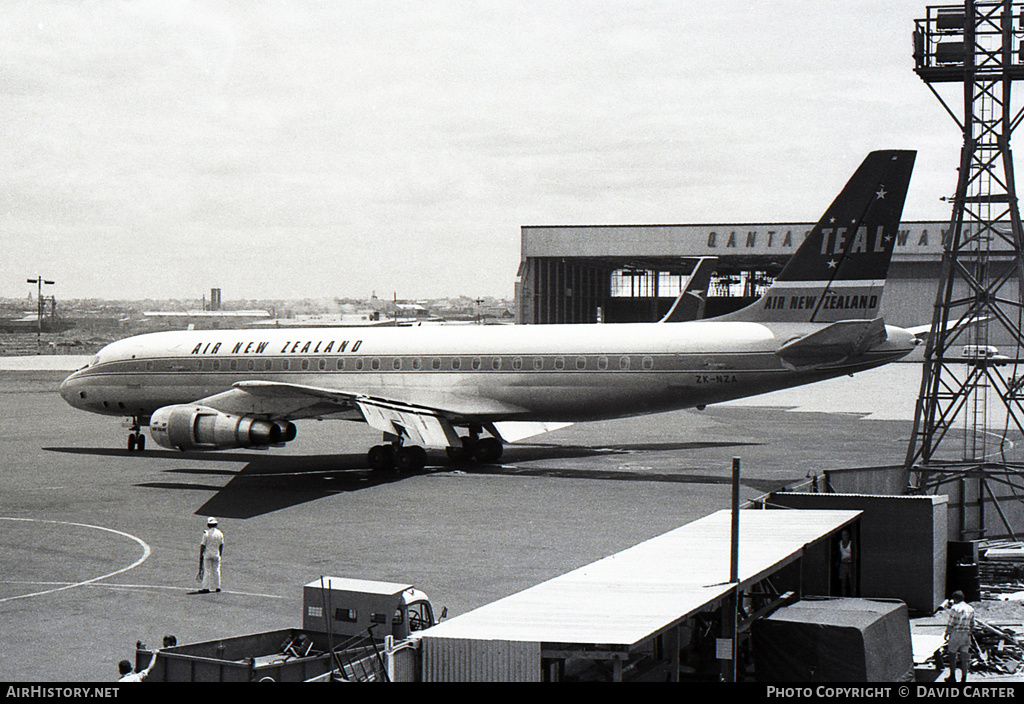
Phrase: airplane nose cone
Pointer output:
(69, 389)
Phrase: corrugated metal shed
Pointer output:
(455, 660)
(627, 597)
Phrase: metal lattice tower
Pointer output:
(969, 422)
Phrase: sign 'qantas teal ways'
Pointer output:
(471, 389)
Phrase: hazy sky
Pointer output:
(305, 149)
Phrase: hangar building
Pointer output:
(633, 273)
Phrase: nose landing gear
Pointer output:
(136, 440)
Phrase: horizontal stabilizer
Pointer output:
(834, 344)
(921, 332)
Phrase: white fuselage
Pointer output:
(545, 372)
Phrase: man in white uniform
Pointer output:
(211, 549)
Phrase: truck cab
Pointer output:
(415, 610)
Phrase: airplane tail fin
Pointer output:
(689, 305)
(838, 272)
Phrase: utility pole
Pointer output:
(39, 280)
(965, 386)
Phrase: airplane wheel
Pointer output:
(410, 459)
(380, 457)
(140, 444)
(132, 442)
(487, 450)
(456, 454)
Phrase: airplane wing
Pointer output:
(426, 421)
(834, 344)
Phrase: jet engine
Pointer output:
(190, 427)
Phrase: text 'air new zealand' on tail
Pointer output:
(838, 272)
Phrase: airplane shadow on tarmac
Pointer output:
(270, 482)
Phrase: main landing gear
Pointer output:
(412, 458)
(476, 448)
(482, 450)
(136, 440)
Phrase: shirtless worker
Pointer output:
(958, 636)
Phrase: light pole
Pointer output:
(39, 280)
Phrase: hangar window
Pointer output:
(633, 283)
(671, 284)
(647, 283)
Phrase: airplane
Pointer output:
(470, 390)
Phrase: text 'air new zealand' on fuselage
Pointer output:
(470, 389)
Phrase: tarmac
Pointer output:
(100, 546)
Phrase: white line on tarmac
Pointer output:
(145, 555)
(108, 585)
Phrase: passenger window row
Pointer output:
(519, 363)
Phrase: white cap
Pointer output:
(211, 521)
